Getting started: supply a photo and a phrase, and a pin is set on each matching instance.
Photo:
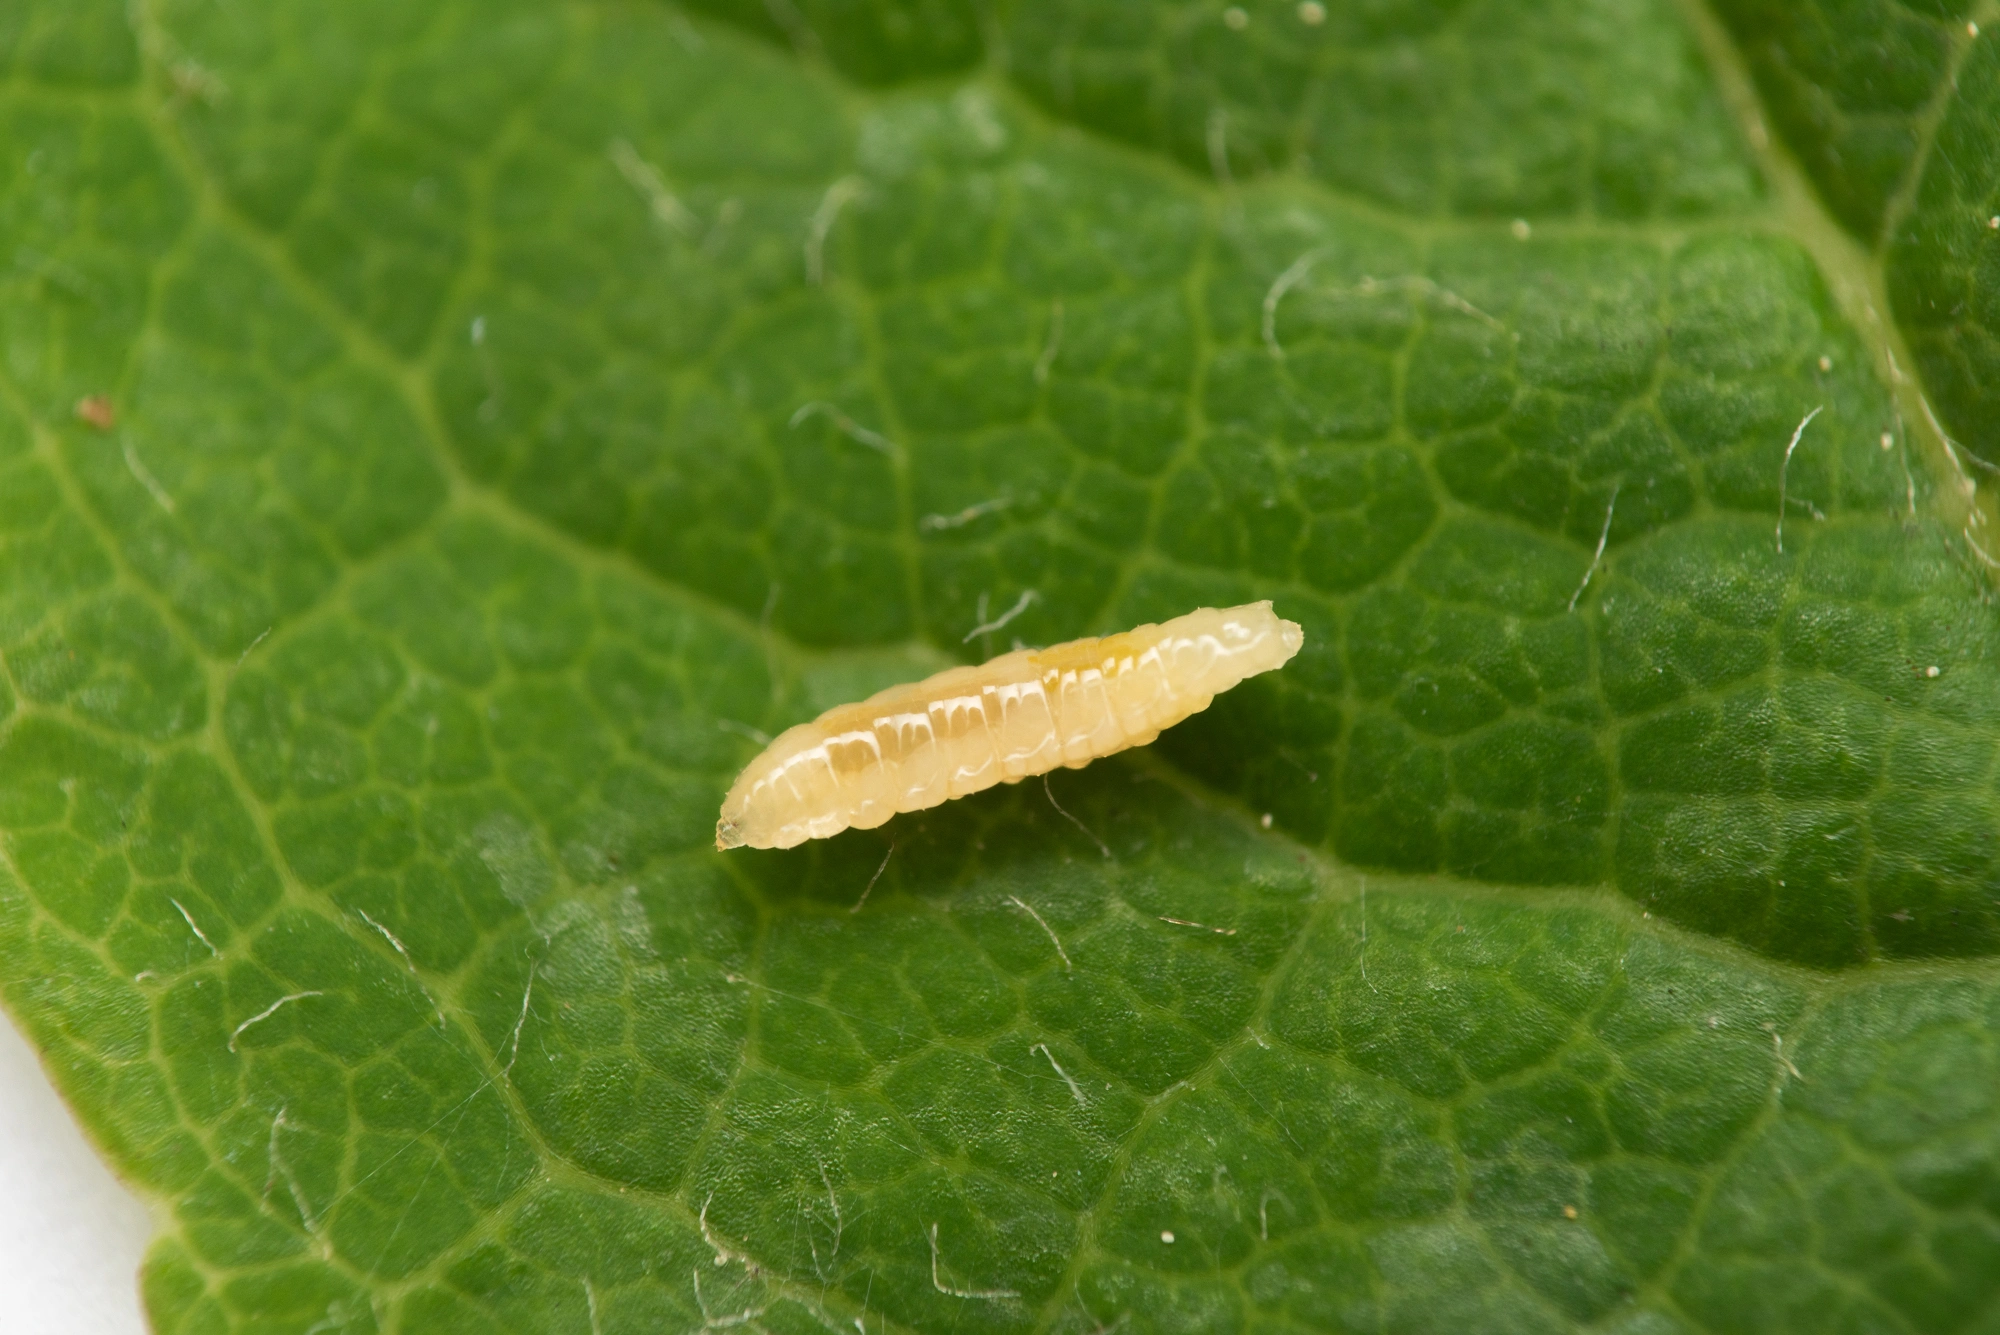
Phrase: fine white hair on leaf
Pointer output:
(1979, 551)
(1960, 456)
(1778, 1050)
(837, 197)
(1460, 304)
(771, 670)
(937, 523)
(846, 425)
(1218, 146)
(267, 1013)
(1364, 934)
(1292, 276)
(1075, 1090)
(1043, 923)
(1046, 362)
(527, 999)
(274, 1153)
(1597, 557)
(1089, 833)
(1422, 286)
(1785, 466)
(937, 1281)
(1189, 922)
(724, 1253)
(645, 178)
(402, 950)
(262, 635)
(1299, 269)
(195, 927)
(869, 889)
(144, 476)
(1021, 604)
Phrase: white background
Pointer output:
(71, 1237)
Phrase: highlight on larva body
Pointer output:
(968, 728)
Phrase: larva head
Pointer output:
(1215, 648)
(739, 825)
(750, 818)
(780, 797)
(1255, 630)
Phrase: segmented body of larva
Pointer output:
(968, 728)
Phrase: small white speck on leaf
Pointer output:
(1312, 13)
(1826, 363)
(1519, 227)
(1887, 440)
(1933, 671)
(1265, 819)
(1166, 1236)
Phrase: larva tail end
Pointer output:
(727, 836)
(1292, 635)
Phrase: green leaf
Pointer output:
(512, 411)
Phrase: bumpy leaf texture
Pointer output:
(438, 439)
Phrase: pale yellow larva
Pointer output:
(968, 728)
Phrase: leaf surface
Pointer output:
(511, 412)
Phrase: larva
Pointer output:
(1021, 714)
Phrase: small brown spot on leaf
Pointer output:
(98, 411)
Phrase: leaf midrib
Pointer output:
(1854, 274)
